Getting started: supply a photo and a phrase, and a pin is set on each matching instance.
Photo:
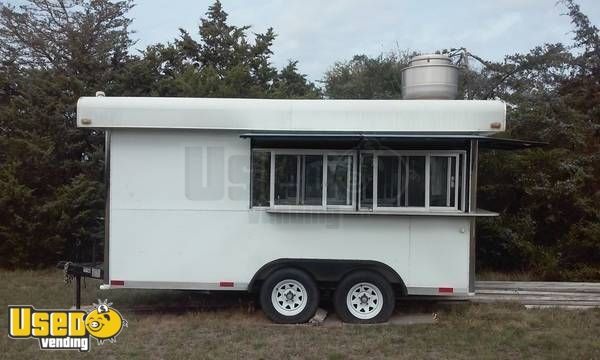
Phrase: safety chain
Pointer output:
(67, 277)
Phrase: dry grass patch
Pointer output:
(233, 330)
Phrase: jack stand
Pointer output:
(76, 271)
(77, 294)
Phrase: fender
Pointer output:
(328, 271)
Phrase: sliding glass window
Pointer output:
(443, 181)
(312, 179)
(380, 181)
(419, 180)
(298, 180)
(339, 180)
(315, 179)
(261, 178)
(400, 181)
(414, 182)
(366, 181)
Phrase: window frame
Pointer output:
(360, 180)
(252, 172)
(456, 185)
(427, 154)
(357, 156)
(351, 181)
(324, 153)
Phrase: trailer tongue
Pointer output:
(73, 272)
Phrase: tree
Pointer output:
(366, 78)
(53, 52)
(548, 198)
(290, 84)
(223, 62)
(553, 96)
(84, 39)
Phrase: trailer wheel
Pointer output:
(289, 296)
(364, 297)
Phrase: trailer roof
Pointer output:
(448, 116)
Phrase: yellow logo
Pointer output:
(66, 329)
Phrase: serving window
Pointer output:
(358, 180)
(307, 179)
(415, 181)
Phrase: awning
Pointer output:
(369, 140)
(508, 144)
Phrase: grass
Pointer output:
(581, 273)
(235, 330)
(503, 276)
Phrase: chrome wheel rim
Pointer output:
(364, 301)
(289, 297)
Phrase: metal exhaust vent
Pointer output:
(430, 77)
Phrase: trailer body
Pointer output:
(181, 191)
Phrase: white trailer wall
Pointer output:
(180, 218)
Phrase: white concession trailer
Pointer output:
(371, 199)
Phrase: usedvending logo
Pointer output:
(66, 329)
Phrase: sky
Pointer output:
(318, 33)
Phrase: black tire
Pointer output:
(371, 279)
(311, 302)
